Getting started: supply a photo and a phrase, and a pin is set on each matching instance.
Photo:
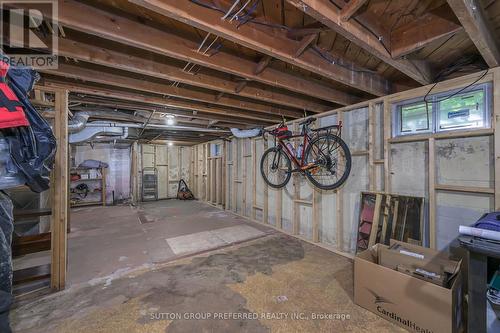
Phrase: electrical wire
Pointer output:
(455, 93)
(337, 61)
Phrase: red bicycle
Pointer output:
(323, 157)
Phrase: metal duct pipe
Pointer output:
(79, 120)
(157, 126)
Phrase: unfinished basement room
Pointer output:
(172, 166)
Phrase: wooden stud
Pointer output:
(265, 211)
(316, 214)
(372, 182)
(279, 208)
(236, 162)
(387, 147)
(340, 203)
(432, 193)
(376, 219)
(61, 198)
(496, 128)
(254, 177)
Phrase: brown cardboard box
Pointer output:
(416, 305)
(418, 257)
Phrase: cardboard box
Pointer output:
(414, 304)
(430, 265)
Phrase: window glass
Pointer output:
(415, 117)
(462, 111)
(215, 149)
(444, 111)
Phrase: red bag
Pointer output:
(11, 109)
(283, 132)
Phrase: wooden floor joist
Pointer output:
(185, 105)
(130, 32)
(142, 65)
(91, 75)
(268, 41)
(328, 14)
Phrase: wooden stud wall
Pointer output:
(59, 220)
(236, 182)
(163, 158)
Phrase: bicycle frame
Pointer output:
(300, 163)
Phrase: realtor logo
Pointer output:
(29, 33)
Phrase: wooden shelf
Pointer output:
(29, 213)
(81, 180)
(102, 189)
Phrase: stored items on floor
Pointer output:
(183, 191)
(385, 216)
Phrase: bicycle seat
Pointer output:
(307, 121)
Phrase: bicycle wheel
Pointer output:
(275, 167)
(332, 158)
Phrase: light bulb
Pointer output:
(170, 120)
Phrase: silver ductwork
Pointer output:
(79, 120)
(81, 130)
(89, 133)
(158, 126)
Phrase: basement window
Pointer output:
(453, 110)
(415, 118)
(215, 149)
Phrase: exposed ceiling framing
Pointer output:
(227, 63)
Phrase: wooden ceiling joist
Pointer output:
(471, 17)
(417, 34)
(350, 9)
(90, 75)
(113, 59)
(169, 103)
(142, 107)
(328, 14)
(126, 31)
(267, 40)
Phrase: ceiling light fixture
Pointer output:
(170, 119)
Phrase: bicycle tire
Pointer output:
(288, 166)
(347, 156)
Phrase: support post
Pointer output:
(432, 193)
(59, 204)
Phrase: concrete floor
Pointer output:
(128, 276)
(113, 240)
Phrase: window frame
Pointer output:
(434, 110)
